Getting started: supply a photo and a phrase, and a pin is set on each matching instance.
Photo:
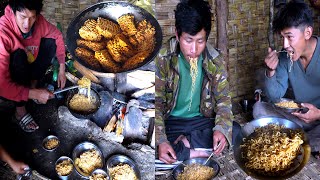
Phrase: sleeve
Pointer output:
(160, 99)
(276, 86)
(50, 31)
(9, 89)
(222, 96)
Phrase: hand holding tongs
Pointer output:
(65, 89)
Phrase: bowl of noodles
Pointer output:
(289, 105)
(271, 148)
(87, 157)
(121, 167)
(193, 169)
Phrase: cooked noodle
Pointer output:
(85, 83)
(122, 172)
(272, 149)
(196, 172)
(287, 104)
(193, 73)
(89, 161)
(64, 168)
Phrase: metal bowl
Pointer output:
(62, 158)
(102, 172)
(211, 163)
(50, 138)
(81, 148)
(289, 110)
(111, 11)
(118, 159)
(84, 91)
(249, 128)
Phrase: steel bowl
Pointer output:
(211, 163)
(84, 91)
(290, 110)
(59, 160)
(249, 128)
(111, 11)
(122, 159)
(81, 148)
(100, 171)
(50, 138)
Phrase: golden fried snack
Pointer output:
(120, 48)
(145, 36)
(87, 56)
(133, 40)
(127, 25)
(107, 28)
(93, 45)
(106, 61)
(135, 60)
(89, 32)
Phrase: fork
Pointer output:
(281, 51)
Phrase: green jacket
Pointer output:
(215, 96)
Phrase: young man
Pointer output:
(28, 43)
(17, 166)
(299, 68)
(193, 104)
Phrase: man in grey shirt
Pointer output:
(298, 67)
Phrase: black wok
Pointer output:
(111, 11)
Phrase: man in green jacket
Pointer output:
(193, 103)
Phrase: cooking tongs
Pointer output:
(65, 89)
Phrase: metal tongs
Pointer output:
(65, 89)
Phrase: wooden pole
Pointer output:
(270, 29)
(222, 19)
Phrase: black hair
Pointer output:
(192, 16)
(19, 5)
(294, 14)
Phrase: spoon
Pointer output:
(211, 154)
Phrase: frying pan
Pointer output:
(249, 128)
(111, 11)
(82, 114)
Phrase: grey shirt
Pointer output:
(305, 83)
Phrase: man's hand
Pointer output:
(18, 167)
(166, 153)
(219, 142)
(312, 115)
(41, 95)
(271, 62)
(62, 76)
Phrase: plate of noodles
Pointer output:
(193, 169)
(271, 148)
(289, 105)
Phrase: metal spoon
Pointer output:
(208, 158)
(211, 155)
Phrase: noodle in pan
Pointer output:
(272, 149)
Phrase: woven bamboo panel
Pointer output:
(165, 15)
